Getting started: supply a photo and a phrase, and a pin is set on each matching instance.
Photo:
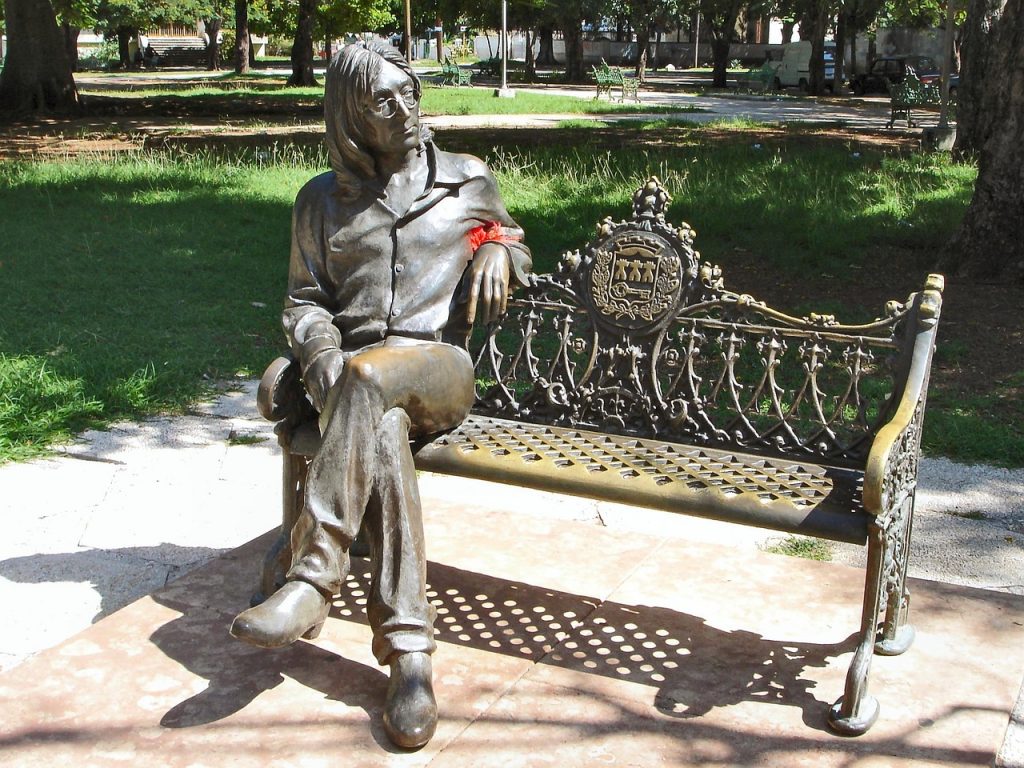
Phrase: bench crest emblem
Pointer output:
(637, 272)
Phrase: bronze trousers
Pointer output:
(364, 473)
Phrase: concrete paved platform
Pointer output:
(560, 643)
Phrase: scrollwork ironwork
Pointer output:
(689, 359)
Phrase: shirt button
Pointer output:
(399, 267)
(395, 313)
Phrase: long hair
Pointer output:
(347, 89)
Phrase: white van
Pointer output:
(795, 69)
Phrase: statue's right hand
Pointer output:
(321, 375)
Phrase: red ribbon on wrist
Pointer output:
(492, 230)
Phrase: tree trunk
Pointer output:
(787, 31)
(302, 48)
(720, 59)
(531, 63)
(242, 42)
(213, 46)
(990, 242)
(722, 28)
(643, 40)
(546, 54)
(124, 55)
(853, 49)
(573, 33)
(840, 62)
(36, 76)
(818, 18)
(974, 115)
(439, 39)
(70, 35)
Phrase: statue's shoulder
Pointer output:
(458, 166)
(313, 200)
(316, 188)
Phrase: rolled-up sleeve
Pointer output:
(490, 207)
(308, 316)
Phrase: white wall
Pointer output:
(517, 46)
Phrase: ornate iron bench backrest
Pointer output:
(633, 337)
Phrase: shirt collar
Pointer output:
(447, 169)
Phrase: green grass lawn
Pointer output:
(135, 286)
(209, 92)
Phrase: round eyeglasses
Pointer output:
(388, 107)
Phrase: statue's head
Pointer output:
(371, 106)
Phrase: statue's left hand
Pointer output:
(489, 278)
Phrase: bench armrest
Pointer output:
(891, 472)
(281, 393)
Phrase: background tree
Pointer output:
(719, 17)
(648, 17)
(335, 19)
(242, 42)
(37, 74)
(124, 19)
(855, 16)
(212, 23)
(546, 41)
(816, 18)
(302, 47)
(975, 116)
(990, 242)
(72, 17)
(528, 15)
(571, 15)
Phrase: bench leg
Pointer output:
(855, 712)
(897, 634)
(278, 559)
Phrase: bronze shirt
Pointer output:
(370, 273)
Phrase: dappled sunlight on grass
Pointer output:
(797, 207)
(154, 280)
(130, 286)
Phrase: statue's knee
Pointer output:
(396, 421)
(363, 372)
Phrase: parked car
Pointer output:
(890, 70)
(794, 71)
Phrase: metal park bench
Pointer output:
(631, 374)
(453, 74)
(760, 80)
(909, 95)
(607, 77)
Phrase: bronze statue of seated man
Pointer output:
(393, 251)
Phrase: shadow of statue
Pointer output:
(691, 666)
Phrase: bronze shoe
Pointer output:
(296, 610)
(410, 710)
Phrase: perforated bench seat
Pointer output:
(796, 497)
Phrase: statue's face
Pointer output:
(392, 113)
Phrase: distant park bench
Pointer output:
(760, 80)
(607, 77)
(453, 74)
(631, 374)
(909, 95)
